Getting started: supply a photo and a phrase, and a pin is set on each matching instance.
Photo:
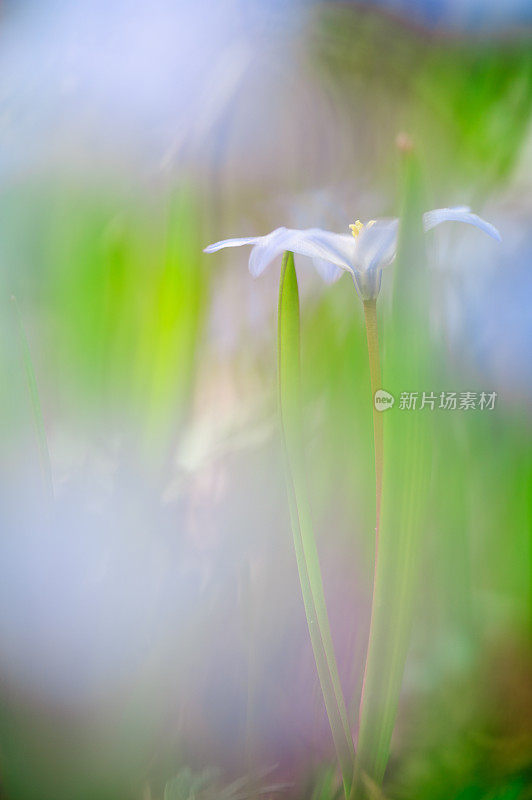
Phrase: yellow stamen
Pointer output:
(356, 227)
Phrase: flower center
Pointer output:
(358, 226)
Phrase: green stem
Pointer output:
(372, 335)
(399, 531)
(304, 542)
(370, 315)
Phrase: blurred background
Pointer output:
(153, 642)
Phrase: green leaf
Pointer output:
(289, 376)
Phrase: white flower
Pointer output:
(363, 253)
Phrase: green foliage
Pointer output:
(466, 102)
(121, 296)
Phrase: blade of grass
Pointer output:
(302, 529)
(404, 497)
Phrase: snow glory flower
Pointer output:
(364, 253)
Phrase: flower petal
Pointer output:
(334, 248)
(337, 248)
(376, 245)
(459, 214)
(329, 272)
(266, 249)
(368, 283)
(212, 248)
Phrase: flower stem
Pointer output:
(370, 315)
(289, 373)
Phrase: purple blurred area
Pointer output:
(171, 612)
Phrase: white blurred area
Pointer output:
(152, 87)
(128, 79)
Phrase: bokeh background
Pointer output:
(152, 636)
